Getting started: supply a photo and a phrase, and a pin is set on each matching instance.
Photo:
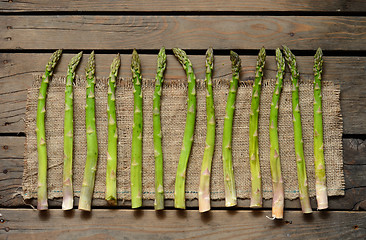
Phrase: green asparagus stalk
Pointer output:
(229, 180)
(68, 193)
(111, 182)
(87, 187)
(136, 152)
(256, 198)
(158, 152)
(321, 181)
(41, 132)
(299, 144)
(179, 200)
(204, 188)
(277, 181)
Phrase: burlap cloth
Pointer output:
(173, 114)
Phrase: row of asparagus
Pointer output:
(136, 151)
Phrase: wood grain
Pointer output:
(184, 5)
(11, 172)
(187, 32)
(17, 69)
(175, 224)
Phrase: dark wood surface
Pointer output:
(148, 224)
(188, 32)
(184, 5)
(30, 30)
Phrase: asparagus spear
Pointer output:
(321, 182)
(111, 183)
(136, 153)
(230, 192)
(179, 200)
(87, 187)
(158, 152)
(204, 188)
(299, 148)
(256, 198)
(41, 132)
(277, 182)
(68, 193)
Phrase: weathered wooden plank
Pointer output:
(188, 32)
(11, 172)
(175, 224)
(185, 5)
(355, 153)
(17, 69)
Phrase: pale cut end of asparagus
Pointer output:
(278, 201)
(42, 205)
(68, 201)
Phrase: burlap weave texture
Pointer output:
(173, 114)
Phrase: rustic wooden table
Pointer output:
(30, 30)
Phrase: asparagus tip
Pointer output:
(135, 63)
(53, 60)
(262, 52)
(235, 61)
(209, 57)
(116, 64)
(75, 61)
(290, 57)
(319, 52)
(280, 60)
(90, 67)
(182, 56)
(318, 58)
(178, 51)
(162, 58)
(162, 50)
(261, 58)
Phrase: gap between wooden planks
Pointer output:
(187, 32)
(178, 224)
(183, 5)
(17, 69)
(11, 173)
